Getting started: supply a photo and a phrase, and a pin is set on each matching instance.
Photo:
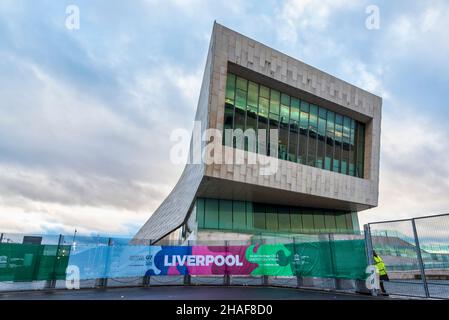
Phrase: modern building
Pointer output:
(327, 167)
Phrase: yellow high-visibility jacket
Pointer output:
(380, 265)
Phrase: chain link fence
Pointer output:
(415, 253)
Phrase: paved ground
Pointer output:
(183, 293)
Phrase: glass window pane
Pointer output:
(274, 101)
(321, 138)
(318, 221)
(272, 218)
(239, 210)
(225, 214)
(329, 220)
(264, 92)
(303, 132)
(259, 217)
(341, 222)
(352, 159)
(338, 142)
(240, 109)
(211, 214)
(349, 221)
(283, 132)
(249, 216)
(200, 212)
(242, 84)
(313, 128)
(360, 127)
(294, 130)
(307, 222)
(296, 221)
(230, 88)
(284, 219)
(346, 141)
(252, 108)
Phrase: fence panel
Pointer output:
(395, 243)
(433, 237)
(416, 255)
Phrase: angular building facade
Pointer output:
(327, 150)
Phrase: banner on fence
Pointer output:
(336, 259)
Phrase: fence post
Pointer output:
(299, 282)
(187, 277)
(264, 277)
(337, 284)
(103, 282)
(420, 261)
(51, 284)
(369, 250)
(147, 279)
(227, 278)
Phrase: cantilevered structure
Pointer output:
(328, 154)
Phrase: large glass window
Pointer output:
(308, 134)
(246, 216)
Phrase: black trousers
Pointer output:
(383, 278)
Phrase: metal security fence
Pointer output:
(416, 255)
(323, 261)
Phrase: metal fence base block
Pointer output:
(146, 281)
(187, 280)
(265, 280)
(299, 282)
(101, 283)
(50, 284)
(344, 284)
(227, 280)
(307, 282)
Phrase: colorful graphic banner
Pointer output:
(338, 259)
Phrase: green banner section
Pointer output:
(343, 259)
(29, 262)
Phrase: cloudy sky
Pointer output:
(86, 115)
